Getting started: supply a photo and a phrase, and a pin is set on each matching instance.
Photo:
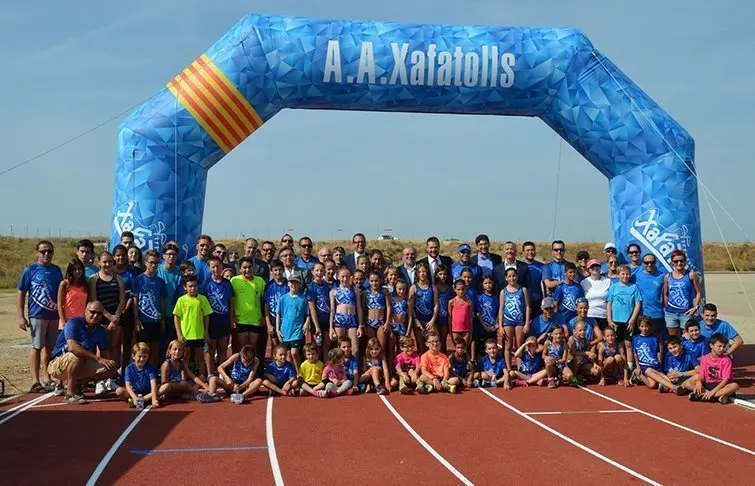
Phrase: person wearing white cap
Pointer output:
(608, 250)
(465, 261)
(596, 292)
(545, 322)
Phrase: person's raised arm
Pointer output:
(520, 350)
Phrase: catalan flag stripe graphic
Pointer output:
(215, 103)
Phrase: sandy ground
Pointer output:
(725, 290)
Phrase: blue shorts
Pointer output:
(675, 321)
(348, 321)
(398, 328)
(423, 318)
(645, 368)
(375, 323)
(507, 323)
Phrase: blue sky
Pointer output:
(71, 65)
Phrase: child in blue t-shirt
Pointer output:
(647, 354)
(149, 292)
(623, 308)
(141, 380)
(275, 288)
(350, 363)
(531, 370)
(280, 375)
(292, 321)
(678, 367)
(461, 367)
(219, 294)
(693, 342)
(567, 293)
(493, 371)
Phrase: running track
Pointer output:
(568, 435)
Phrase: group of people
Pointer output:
(148, 327)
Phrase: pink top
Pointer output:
(75, 303)
(715, 370)
(335, 374)
(406, 363)
(461, 320)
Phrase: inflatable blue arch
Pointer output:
(267, 63)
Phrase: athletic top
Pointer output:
(459, 367)
(444, 296)
(399, 307)
(128, 274)
(531, 364)
(140, 378)
(150, 294)
(497, 368)
(239, 372)
(320, 295)
(175, 375)
(370, 364)
(75, 301)
(218, 294)
(608, 351)
(424, 301)
(345, 296)
(461, 320)
(554, 351)
(407, 363)
(351, 365)
(375, 301)
(695, 349)
(589, 327)
(536, 276)
(108, 293)
(681, 363)
(681, 294)
(487, 306)
(273, 292)
(566, 294)
(514, 309)
(646, 348)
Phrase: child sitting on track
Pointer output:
(493, 371)
(334, 376)
(555, 356)
(584, 363)
(372, 369)
(435, 368)
(612, 359)
(716, 374)
(647, 354)
(350, 362)
(693, 342)
(406, 366)
(678, 367)
(280, 375)
(531, 371)
(176, 377)
(141, 380)
(310, 371)
(461, 367)
(240, 379)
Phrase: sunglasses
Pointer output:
(559, 250)
(634, 252)
(610, 250)
(678, 261)
(46, 252)
(652, 262)
(267, 249)
(94, 313)
(287, 241)
(306, 245)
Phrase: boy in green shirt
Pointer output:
(191, 317)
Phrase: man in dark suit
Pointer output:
(434, 258)
(289, 268)
(360, 248)
(510, 261)
(484, 259)
(409, 265)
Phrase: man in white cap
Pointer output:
(608, 250)
(465, 261)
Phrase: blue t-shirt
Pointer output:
(589, 327)
(719, 326)
(651, 290)
(240, 373)
(128, 275)
(535, 280)
(566, 294)
(554, 270)
(281, 373)
(140, 379)
(695, 349)
(41, 284)
(273, 292)
(471, 294)
(683, 363)
(299, 262)
(622, 299)
(538, 326)
(487, 307)
(293, 311)
(646, 348)
(90, 270)
(458, 267)
(218, 294)
(320, 295)
(149, 293)
(496, 368)
(531, 364)
(459, 367)
(77, 330)
(352, 367)
(172, 279)
(201, 268)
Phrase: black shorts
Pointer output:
(194, 343)
(622, 333)
(602, 322)
(297, 344)
(659, 325)
(254, 328)
(220, 325)
(150, 333)
(324, 324)
(170, 329)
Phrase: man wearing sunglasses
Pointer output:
(649, 282)
(553, 271)
(40, 281)
(608, 250)
(74, 358)
(306, 260)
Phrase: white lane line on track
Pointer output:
(63, 404)
(578, 412)
(271, 444)
(424, 444)
(105, 460)
(572, 441)
(12, 397)
(669, 422)
(18, 409)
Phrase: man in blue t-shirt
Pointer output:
(649, 282)
(713, 325)
(40, 281)
(553, 271)
(74, 358)
(201, 259)
(543, 324)
(306, 260)
(535, 280)
(465, 261)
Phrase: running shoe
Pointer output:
(380, 390)
(59, 390)
(695, 397)
(519, 382)
(404, 390)
(476, 384)
(635, 380)
(552, 383)
(237, 398)
(100, 388)
(322, 394)
(661, 388)
(679, 390)
(492, 384)
(74, 399)
(540, 382)
(422, 390)
(723, 400)
(451, 388)
(206, 397)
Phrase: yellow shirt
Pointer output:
(248, 303)
(191, 312)
(311, 372)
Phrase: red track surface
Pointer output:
(357, 439)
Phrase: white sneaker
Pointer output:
(111, 385)
(237, 398)
(100, 388)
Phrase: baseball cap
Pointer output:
(294, 278)
(548, 303)
(609, 246)
(464, 247)
(592, 262)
